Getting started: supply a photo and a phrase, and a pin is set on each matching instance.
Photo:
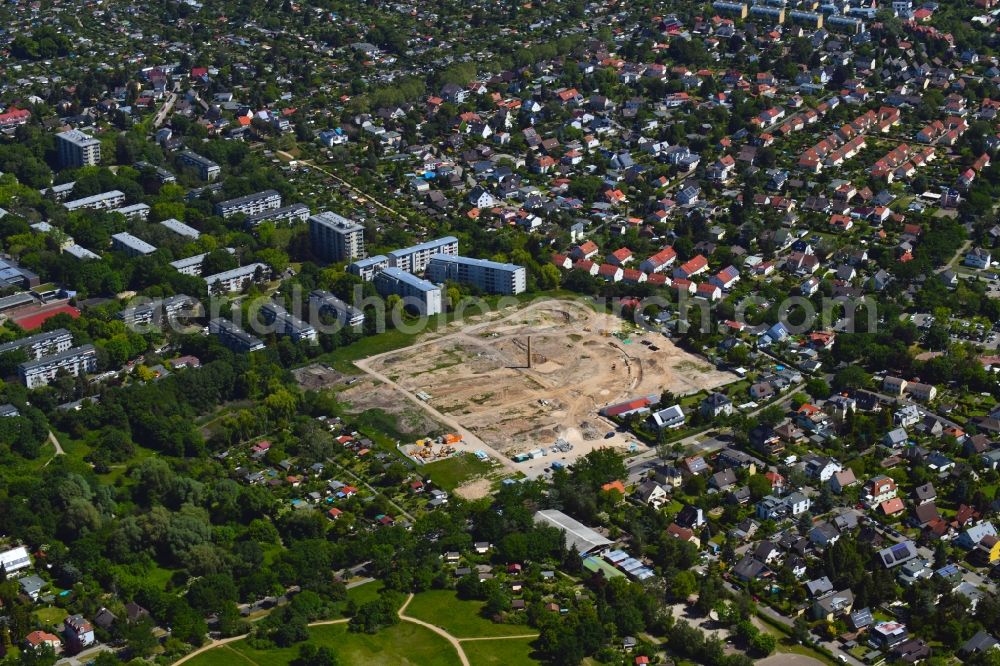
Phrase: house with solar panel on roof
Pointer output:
(897, 554)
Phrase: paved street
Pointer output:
(84, 657)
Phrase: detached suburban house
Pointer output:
(671, 417)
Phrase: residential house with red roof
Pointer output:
(659, 261)
(14, 117)
(585, 250)
(878, 490)
(38, 639)
(633, 276)
(709, 292)
(691, 268)
(610, 272)
(620, 257)
(726, 278)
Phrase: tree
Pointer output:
(208, 594)
(311, 655)
(497, 598)
(825, 500)
(818, 389)
(805, 523)
(140, 638)
(800, 629)
(598, 467)
(759, 486)
(850, 378)
(43, 656)
(684, 585)
(709, 593)
(771, 416)
(290, 631)
(395, 473)
(762, 644)
(549, 277)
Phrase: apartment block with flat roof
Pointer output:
(181, 229)
(336, 238)
(414, 259)
(366, 269)
(296, 212)
(77, 149)
(237, 278)
(416, 293)
(80, 252)
(161, 174)
(251, 204)
(193, 265)
(325, 303)
(102, 201)
(287, 324)
(76, 361)
(206, 168)
(158, 311)
(234, 337)
(139, 211)
(41, 344)
(490, 276)
(131, 245)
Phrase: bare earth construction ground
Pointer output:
(479, 385)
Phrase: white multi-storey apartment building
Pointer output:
(234, 337)
(77, 149)
(323, 302)
(251, 204)
(207, 169)
(295, 212)
(181, 229)
(76, 361)
(491, 276)
(131, 245)
(237, 278)
(336, 238)
(419, 294)
(414, 259)
(41, 344)
(102, 201)
(159, 311)
(287, 324)
(366, 269)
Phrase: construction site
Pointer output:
(432, 449)
(517, 383)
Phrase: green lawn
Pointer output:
(362, 594)
(375, 422)
(404, 644)
(505, 652)
(160, 577)
(221, 656)
(51, 615)
(451, 473)
(459, 618)
(342, 359)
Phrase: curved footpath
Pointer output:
(455, 642)
(437, 630)
(220, 642)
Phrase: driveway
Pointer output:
(83, 657)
